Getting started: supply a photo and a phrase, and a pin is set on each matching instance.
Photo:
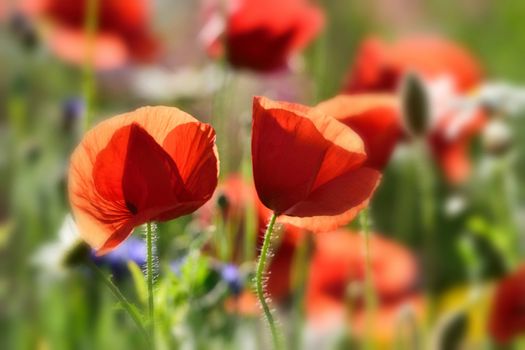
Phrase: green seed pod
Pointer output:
(77, 255)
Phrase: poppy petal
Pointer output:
(289, 147)
(338, 261)
(452, 152)
(105, 214)
(261, 35)
(310, 21)
(434, 56)
(192, 147)
(374, 117)
(380, 66)
(506, 318)
(144, 160)
(454, 161)
(138, 187)
(335, 203)
(370, 72)
(71, 45)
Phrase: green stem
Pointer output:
(132, 312)
(250, 230)
(149, 267)
(508, 208)
(259, 284)
(426, 183)
(301, 258)
(88, 73)
(219, 117)
(369, 284)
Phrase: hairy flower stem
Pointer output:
(370, 299)
(259, 284)
(88, 73)
(132, 312)
(149, 268)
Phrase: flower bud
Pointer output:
(497, 137)
(415, 105)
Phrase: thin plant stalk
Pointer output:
(507, 209)
(250, 230)
(128, 307)
(426, 183)
(88, 72)
(149, 275)
(301, 268)
(259, 284)
(370, 300)
(219, 116)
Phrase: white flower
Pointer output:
(444, 100)
(49, 259)
(502, 97)
(455, 205)
(497, 136)
(155, 83)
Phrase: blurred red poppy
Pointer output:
(231, 199)
(4, 10)
(153, 164)
(245, 304)
(339, 260)
(375, 117)
(377, 120)
(308, 167)
(380, 67)
(507, 316)
(123, 32)
(261, 34)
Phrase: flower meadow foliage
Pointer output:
(261, 174)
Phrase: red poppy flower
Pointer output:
(374, 117)
(339, 260)
(507, 316)
(153, 164)
(262, 34)
(122, 30)
(380, 66)
(308, 167)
